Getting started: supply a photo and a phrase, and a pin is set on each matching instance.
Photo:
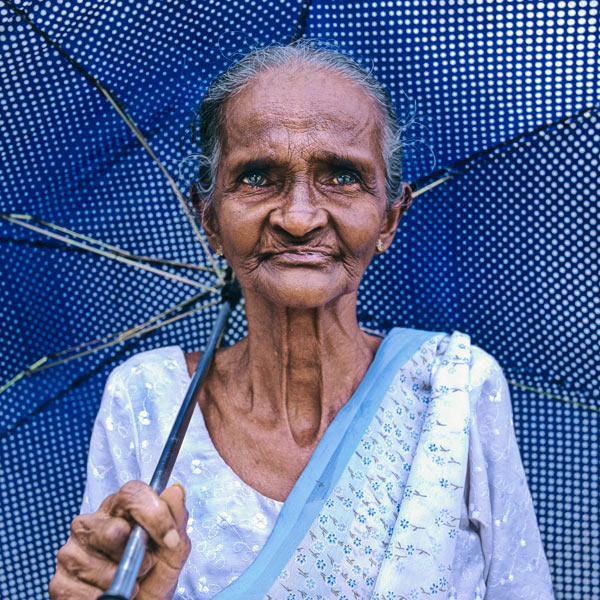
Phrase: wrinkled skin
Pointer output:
(298, 209)
(86, 564)
(300, 197)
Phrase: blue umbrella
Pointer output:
(502, 246)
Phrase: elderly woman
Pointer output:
(322, 462)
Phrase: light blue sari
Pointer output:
(376, 509)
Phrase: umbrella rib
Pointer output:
(115, 249)
(126, 117)
(124, 338)
(138, 133)
(128, 332)
(72, 386)
(553, 396)
(111, 255)
(301, 21)
(462, 166)
(53, 360)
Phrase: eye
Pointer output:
(254, 179)
(344, 178)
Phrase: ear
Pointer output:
(206, 212)
(393, 215)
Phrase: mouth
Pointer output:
(302, 256)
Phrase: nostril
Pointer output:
(299, 221)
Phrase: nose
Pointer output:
(299, 214)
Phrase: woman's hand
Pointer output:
(88, 561)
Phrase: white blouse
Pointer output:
(229, 521)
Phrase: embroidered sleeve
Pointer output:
(112, 459)
(499, 502)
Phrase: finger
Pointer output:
(101, 533)
(174, 496)
(105, 535)
(86, 566)
(138, 501)
(62, 587)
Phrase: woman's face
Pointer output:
(299, 202)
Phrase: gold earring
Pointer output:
(219, 251)
(379, 246)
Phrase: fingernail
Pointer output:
(171, 540)
(181, 488)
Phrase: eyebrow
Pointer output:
(363, 165)
(353, 163)
(256, 164)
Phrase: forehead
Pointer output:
(301, 106)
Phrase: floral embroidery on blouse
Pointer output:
(433, 503)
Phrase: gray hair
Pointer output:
(207, 126)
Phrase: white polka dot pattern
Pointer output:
(508, 253)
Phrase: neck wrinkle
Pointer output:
(304, 364)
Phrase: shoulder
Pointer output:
(488, 387)
(492, 426)
(483, 367)
(146, 371)
(459, 347)
(150, 362)
(142, 392)
(482, 374)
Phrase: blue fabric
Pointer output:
(329, 459)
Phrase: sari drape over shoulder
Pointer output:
(416, 490)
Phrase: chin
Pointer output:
(299, 286)
(302, 289)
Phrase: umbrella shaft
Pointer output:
(169, 454)
(129, 566)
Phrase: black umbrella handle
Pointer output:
(129, 566)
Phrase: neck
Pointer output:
(303, 364)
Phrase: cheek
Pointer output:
(240, 228)
(359, 231)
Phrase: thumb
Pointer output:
(161, 580)
(174, 496)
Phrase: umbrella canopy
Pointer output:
(505, 249)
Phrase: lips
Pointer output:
(302, 256)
